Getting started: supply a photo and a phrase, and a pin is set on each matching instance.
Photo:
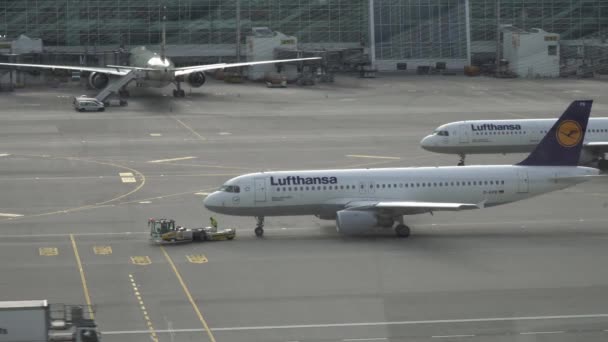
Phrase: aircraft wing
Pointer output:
(199, 68)
(118, 71)
(597, 146)
(411, 207)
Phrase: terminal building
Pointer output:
(392, 34)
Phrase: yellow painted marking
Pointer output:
(371, 157)
(170, 160)
(48, 251)
(10, 215)
(141, 260)
(102, 250)
(156, 135)
(4, 155)
(83, 280)
(197, 258)
(201, 193)
(190, 129)
(128, 179)
(125, 174)
(188, 295)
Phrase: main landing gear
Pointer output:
(179, 92)
(123, 93)
(259, 229)
(401, 229)
(462, 157)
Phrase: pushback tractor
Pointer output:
(165, 231)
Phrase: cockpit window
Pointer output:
(441, 133)
(231, 188)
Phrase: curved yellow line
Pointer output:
(90, 206)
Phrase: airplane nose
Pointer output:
(211, 201)
(428, 142)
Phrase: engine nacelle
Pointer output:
(98, 80)
(196, 79)
(355, 222)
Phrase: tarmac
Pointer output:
(78, 189)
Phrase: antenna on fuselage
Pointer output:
(163, 41)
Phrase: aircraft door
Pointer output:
(260, 190)
(463, 134)
(523, 184)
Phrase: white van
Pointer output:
(88, 104)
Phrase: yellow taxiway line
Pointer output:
(188, 295)
(170, 160)
(82, 277)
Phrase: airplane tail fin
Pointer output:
(562, 145)
(163, 41)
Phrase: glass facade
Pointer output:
(415, 29)
(404, 29)
(572, 19)
(137, 22)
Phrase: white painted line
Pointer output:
(156, 135)
(225, 133)
(145, 202)
(10, 215)
(365, 339)
(371, 157)
(367, 324)
(170, 160)
(452, 336)
(4, 154)
(125, 174)
(541, 332)
(201, 193)
(128, 179)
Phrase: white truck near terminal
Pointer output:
(37, 320)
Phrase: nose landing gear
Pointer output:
(259, 229)
(462, 157)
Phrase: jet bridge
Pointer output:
(116, 85)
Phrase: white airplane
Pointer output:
(362, 199)
(150, 69)
(512, 136)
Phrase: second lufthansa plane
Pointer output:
(362, 199)
(512, 136)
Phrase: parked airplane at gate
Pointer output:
(362, 199)
(150, 69)
(512, 136)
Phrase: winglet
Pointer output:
(562, 145)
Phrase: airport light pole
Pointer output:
(497, 37)
(238, 31)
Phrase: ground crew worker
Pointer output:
(213, 222)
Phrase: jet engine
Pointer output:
(98, 80)
(196, 79)
(355, 222)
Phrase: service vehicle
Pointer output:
(37, 320)
(164, 230)
(88, 104)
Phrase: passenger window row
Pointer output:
(391, 185)
(315, 188)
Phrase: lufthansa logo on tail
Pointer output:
(569, 133)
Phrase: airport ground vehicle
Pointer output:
(88, 104)
(37, 320)
(165, 230)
